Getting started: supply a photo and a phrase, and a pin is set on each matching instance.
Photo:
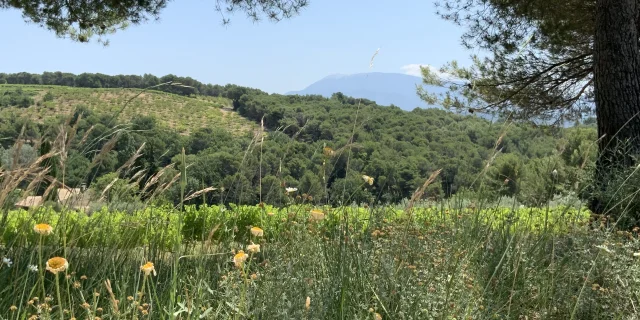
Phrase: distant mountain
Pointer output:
(383, 88)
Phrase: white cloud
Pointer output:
(414, 70)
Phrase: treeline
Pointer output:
(188, 85)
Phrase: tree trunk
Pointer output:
(617, 87)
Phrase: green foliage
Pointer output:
(479, 263)
(398, 149)
(17, 98)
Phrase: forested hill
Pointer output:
(399, 149)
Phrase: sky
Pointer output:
(328, 37)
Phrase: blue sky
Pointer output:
(329, 37)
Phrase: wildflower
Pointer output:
(83, 277)
(130, 298)
(96, 294)
(86, 305)
(7, 261)
(367, 179)
(377, 316)
(240, 258)
(253, 248)
(148, 268)
(254, 276)
(99, 309)
(43, 229)
(256, 231)
(77, 285)
(307, 304)
(317, 215)
(290, 190)
(13, 308)
(32, 268)
(328, 152)
(270, 213)
(57, 264)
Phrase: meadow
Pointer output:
(445, 261)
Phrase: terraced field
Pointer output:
(179, 112)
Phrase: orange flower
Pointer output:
(256, 231)
(317, 215)
(57, 264)
(148, 268)
(240, 258)
(43, 229)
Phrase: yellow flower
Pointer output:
(240, 258)
(367, 179)
(43, 229)
(13, 308)
(148, 268)
(328, 152)
(256, 231)
(377, 316)
(317, 215)
(253, 248)
(307, 304)
(57, 264)
(270, 213)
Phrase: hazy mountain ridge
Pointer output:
(383, 88)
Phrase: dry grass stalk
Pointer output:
(127, 165)
(106, 148)
(420, 192)
(86, 135)
(199, 192)
(154, 179)
(106, 189)
(112, 297)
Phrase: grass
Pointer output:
(178, 112)
(452, 263)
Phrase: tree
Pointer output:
(82, 20)
(553, 60)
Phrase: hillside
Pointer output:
(182, 113)
(383, 88)
(399, 149)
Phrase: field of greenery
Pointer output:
(332, 208)
(183, 114)
(308, 262)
